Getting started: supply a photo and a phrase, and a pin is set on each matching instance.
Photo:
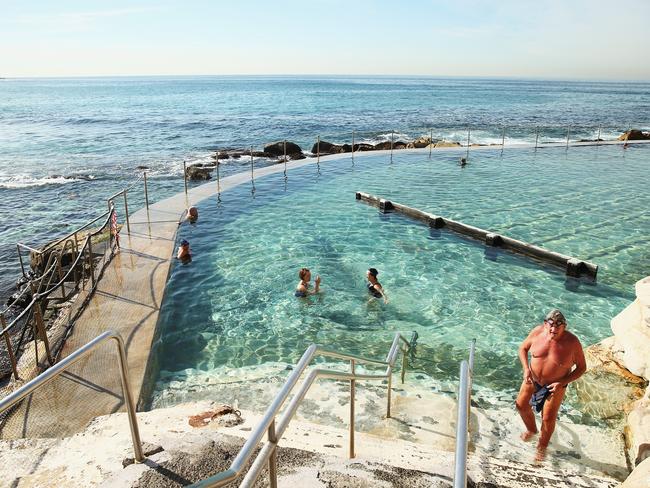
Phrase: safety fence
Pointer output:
(67, 272)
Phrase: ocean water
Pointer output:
(230, 320)
(67, 144)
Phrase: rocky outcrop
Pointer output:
(277, 148)
(198, 172)
(418, 143)
(446, 144)
(631, 348)
(631, 330)
(634, 135)
(330, 148)
(640, 477)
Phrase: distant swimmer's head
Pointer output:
(304, 274)
(192, 214)
(184, 243)
(373, 272)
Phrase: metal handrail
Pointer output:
(47, 292)
(268, 422)
(462, 423)
(44, 378)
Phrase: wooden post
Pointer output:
(146, 193)
(10, 350)
(38, 316)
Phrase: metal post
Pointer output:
(598, 138)
(128, 399)
(536, 136)
(146, 193)
(10, 350)
(38, 316)
(468, 134)
(352, 144)
(252, 175)
(20, 258)
(90, 261)
(285, 158)
(404, 364)
(273, 458)
(460, 471)
(503, 138)
(218, 177)
(352, 399)
(185, 178)
(390, 385)
(430, 142)
(318, 149)
(392, 136)
(126, 213)
(568, 130)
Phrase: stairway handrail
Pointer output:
(462, 422)
(44, 378)
(268, 422)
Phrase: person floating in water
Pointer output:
(374, 287)
(463, 162)
(184, 253)
(302, 290)
(192, 214)
(554, 353)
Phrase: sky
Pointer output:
(568, 39)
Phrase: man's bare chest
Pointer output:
(558, 352)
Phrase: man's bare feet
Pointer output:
(527, 435)
(540, 455)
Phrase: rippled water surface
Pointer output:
(233, 306)
(67, 144)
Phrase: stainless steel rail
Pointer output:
(268, 453)
(44, 378)
(462, 423)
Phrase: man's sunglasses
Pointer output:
(553, 323)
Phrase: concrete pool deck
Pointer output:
(128, 300)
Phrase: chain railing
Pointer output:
(71, 272)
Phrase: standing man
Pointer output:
(554, 352)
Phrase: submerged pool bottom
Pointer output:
(230, 318)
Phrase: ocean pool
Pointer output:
(230, 316)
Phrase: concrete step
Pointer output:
(311, 455)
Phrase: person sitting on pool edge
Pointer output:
(184, 253)
(374, 287)
(302, 290)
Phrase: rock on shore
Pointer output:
(634, 135)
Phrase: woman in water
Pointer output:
(374, 287)
(302, 290)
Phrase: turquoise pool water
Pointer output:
(233, 306)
